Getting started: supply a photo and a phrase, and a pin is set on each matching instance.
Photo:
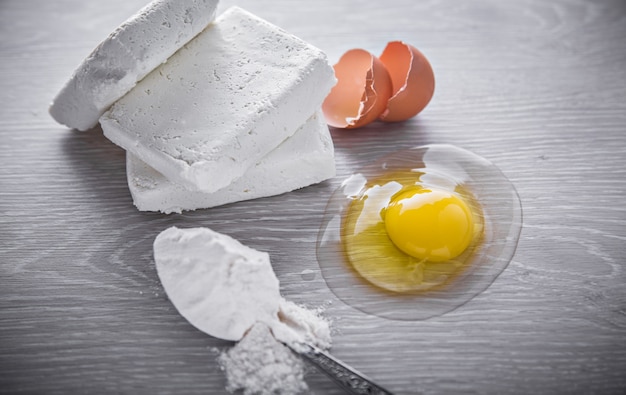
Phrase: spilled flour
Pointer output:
(230, 291)
(259, 364)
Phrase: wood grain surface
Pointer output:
(537, 87)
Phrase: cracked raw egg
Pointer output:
(408, 232)
(429, 224)
(419, 232)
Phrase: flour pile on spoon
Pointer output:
(230, 291)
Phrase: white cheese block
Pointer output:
(219, 285)
(222, 102)
(305, 158)
(132, 51)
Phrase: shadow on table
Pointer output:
(97, 161)
(365, 144)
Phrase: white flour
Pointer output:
(230, 291)
(259, 364)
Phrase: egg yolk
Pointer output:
(429, 224)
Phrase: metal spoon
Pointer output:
(345, 376)
(185, 274)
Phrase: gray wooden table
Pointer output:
(537, 87)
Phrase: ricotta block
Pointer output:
(305, 158)
(127, 55)
(222, 102)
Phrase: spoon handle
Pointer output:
(345, 376)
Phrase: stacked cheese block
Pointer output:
(209, 111)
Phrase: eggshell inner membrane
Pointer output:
(361, 93)
(412, 79)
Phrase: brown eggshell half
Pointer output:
(412, 79)
(361, 93)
